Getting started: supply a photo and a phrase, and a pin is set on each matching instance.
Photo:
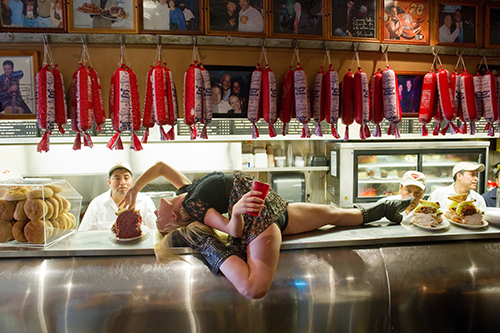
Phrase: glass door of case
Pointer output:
(378, 174)
(438, 167)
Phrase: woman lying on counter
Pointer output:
(188, 219)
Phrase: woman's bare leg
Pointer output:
(253, 279)
(304, 217)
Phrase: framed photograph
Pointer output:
(455, 23)
(236, 17)
(103, 16)
(355, 19)
(410, 91)
(17, 84)
(492, 26)
(230, 86)
(298, 18)
(406, 22)
(33, 16)
(171, 16)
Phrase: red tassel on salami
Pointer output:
(362, 111)
(287, 99)
(254, 111)
(347, 109)
(427, 100)
(392, 107)
(332, 99)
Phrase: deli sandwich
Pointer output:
(428, 214)
(462, 211)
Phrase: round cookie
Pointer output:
(60, 201)
(57, 208)
(18, 231)
(15, 194)
(5, 231)
(6, 210)
(72, 220)
(34, 209)
(34, 231)
(55, 188)
(63, 222)
(19, 214)
(66, 204)
(40, 193)
(50, 209)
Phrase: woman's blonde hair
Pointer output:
(163, 249)
(184, 220)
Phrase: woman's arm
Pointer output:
(160, 169)
(234, 227)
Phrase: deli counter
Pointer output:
(375, 278)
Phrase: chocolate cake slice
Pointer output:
(128, 224)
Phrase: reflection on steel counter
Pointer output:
(438, 287)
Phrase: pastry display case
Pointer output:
(37, 212)
(366, 172)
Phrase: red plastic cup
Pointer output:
(261, 187)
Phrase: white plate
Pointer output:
(145, 231)
(443, 225)
(469, 226)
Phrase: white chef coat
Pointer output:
(100, 214)
(406, 217)
(441, 195)
(255, 21)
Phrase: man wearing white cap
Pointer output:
(465, 177)
(100, 214)
(412, 185)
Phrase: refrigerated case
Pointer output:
(366, 172)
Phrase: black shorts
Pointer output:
(283, 221)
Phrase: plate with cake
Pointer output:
(464, 213)
(427, 215)
(128, 226)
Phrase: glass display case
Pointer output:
(366, 172)
(37, 212)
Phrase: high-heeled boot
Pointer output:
(210, 247)
(390, 209)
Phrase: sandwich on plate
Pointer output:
(465, 212)
(428, 214)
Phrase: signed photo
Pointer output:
(406, 22)
(354, 19)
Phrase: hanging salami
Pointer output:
(193, 97)
(446, 101)
(427, 100)
(468, 102)
(347, 109)
(254, 111)
(287, 99)
(392, 107)
(269, 99)
(377, 101)
(490, 106)
(302, 106)
(318, 100)
(332, 99)
(362, 112)
(206, 117)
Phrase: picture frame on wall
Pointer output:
(298, 18)
(17, 84)
(492, 26)
(102, 16)
(33, 16)
(406, 22)
(236, 18)
(230, 87)
(410, 92)
(358, 20)
(455, 23)
(171, 16)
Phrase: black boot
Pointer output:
(389, 209)
(210, 247)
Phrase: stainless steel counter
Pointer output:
(369, 279)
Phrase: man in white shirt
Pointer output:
(250, 18)
(100, 214)
(412, 185)
(465, 177)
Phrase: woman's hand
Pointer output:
(128, 200)
(249, 203)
